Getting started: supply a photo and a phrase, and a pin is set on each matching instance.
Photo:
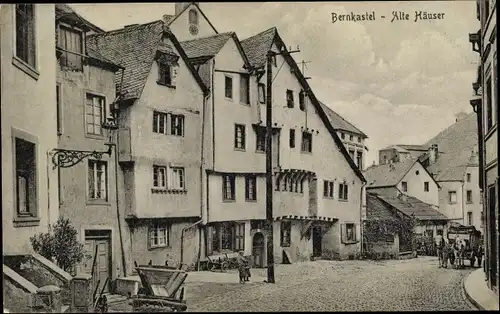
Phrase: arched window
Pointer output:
(193, 17)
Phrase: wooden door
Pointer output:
(102, 261)
(258, 250)
(317, 239)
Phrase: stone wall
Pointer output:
(16, 291)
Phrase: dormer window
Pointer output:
(193, 17)
(167, 68)
(70, 41)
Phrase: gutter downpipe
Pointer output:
(361, 215)
(118, 216)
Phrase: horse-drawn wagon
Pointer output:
(472, 243)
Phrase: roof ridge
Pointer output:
(123, 29)
(267, 30)
(215, 35)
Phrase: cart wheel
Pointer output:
(210, 266)
(223, 266)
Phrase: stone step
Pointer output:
(115, 298)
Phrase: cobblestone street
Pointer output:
(415, 284)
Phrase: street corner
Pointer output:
(477, 292)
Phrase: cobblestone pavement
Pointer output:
(407, 285)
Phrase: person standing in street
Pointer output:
(439, 248)
(242, 263)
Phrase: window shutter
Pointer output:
(209, 240)
(173, 74)
(358, 232)
(343, 233)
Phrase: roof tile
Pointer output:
(205, 46)
(410, 205)
(339, 123)
(257, 46)
(382, 175)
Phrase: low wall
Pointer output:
(40, 272)
(17, 291)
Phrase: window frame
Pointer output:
(250, 188)
(92, 198)
(177, 122)
(165, 74)
(291, 138)
(26, 65)
(328, 189)
(157, 226)
(31, 217)
(158, 172)
(193, 19)
(228, 78)
(245, 81)
(285, 233)
(290, 102)
(174, 178)
(261, 90)
(104, 113)
(260, 140)
(343, 194)
(426, 186)
(64, 28)
(228, 186)
(302, 100)
(468, 197)
(306, 147)
(239, 129)
(470, 220)
(469, 177)
(450, 193)
(359, 159)
(404, 186)
(350, 226)
(168, 122)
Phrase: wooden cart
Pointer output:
(472, 239)
(162, 290)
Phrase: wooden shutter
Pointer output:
(343, 233)
(209, 240)
(358, 232)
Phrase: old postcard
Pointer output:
(250, 156)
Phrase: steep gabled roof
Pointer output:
(257, 46)
(64, 11)
(134, 47)
(339, 123)
(171, 18)
(386, 175)
(456, 144)
(413, 147)
(410, 205)
(211, 45)
(260, 44)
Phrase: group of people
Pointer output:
(454, 250)
(243, 267)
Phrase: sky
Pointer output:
(399, 82)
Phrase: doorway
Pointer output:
(258, 249)
(98, 258)
(317, 237)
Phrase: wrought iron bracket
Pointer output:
(66, 158)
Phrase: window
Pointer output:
(164, 74)
(468, 177)
(404, 186)
(171, 178)
(26, 186)
(343, 191)
(469, 219)
(426, 186)
(359, 160)
(96, 113)
(262, 93)
(177, 124)
(285, 233)
(162, 119)
(159, 235)
(260, 144)
(58, 109)
(226, 233)
(328, 188)
(306, 142)
(25, 33)
(351, 153)
(228, 187)
(160, 177)
(193, 17)
(292, 138)
(417, 172)
(228, 87)
(289, 98)
(452, 197)
(70, 40)
(350, 232)
(251, 188)
(351, 138)
(469, 196)
(239, 236)
(214, 232)
(489, 106)
(239, 136)
(302, 100)
(274, 61)
(359, 139)
(97, 176)
(245, 89)
(342, 135)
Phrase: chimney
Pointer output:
(180, 6)
(433, 153)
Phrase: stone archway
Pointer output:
(259, 249)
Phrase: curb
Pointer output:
(471, 299)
